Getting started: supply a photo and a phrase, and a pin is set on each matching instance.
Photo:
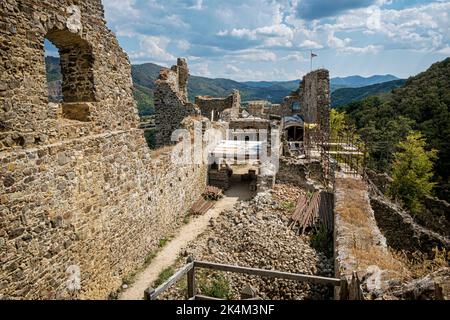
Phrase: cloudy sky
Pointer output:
(272, 39)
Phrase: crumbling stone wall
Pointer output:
(171, 102)
(93, 71)
(359, 246)
(281, 110)
(258, 108)
(218, 106)
(82, 202)
(402, 232)
(315, 100)
(265, 109)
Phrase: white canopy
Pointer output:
(232, 148)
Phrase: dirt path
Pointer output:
(168, 255)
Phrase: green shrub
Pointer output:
(217, 287)
(288, 206)
(163, 276)
(322, 241)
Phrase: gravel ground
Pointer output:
(256, 234)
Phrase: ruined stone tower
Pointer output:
(315, 101)
(171, 101)
(82, 202)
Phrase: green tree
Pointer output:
(412, 171)
(338, 123)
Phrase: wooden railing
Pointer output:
(192, 265)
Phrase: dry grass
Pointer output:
(420, 264)
(354, 214)
(354, 209)
(369, 256)
(351, 184)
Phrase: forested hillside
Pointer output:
(344, 96)
(422, 104)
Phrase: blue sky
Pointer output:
(272, 39)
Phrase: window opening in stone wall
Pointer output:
(53, 72)
(69, 69)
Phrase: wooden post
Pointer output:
(438, 292)
(355, 288)
(343, 290)
(148, 294)
(248, 293)
(191, 279)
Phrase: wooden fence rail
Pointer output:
(267, 273)
(347, 291)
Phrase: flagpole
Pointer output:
(311, 57)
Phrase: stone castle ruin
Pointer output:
(220, 108)
(171, 101)
(84, 202)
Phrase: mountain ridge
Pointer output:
(145, 74)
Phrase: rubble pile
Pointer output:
(256, 234)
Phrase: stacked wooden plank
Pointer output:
(201, 206)
(312, 210)
(212, 193)
(326, 210)
(206, 201)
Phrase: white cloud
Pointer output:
(177, 21)
(242, 33)
(367, 49)
(444, 51)
(295, 57)
(198, 5)
(374, 18)
(337, 43)
(309, 44)
(277, 42)
(253, 55)
(153, 48)
(201, 69)
(232, 70)
(267, 39)
(270, 36)
(118, 9)
(423, 27)
(183, 44)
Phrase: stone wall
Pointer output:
(99, 203)
(258, 108)
(82, 202)
(218, 106)
(265, 109)
(315, 100)
(96, 72)
(402, 232)
(434, 214)
(171, 102)
(282, 110)
(359, 245)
